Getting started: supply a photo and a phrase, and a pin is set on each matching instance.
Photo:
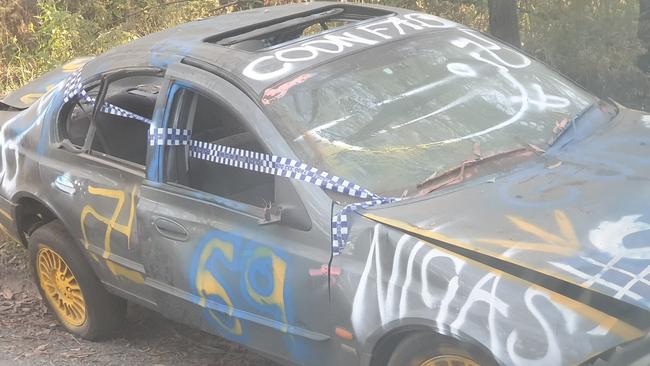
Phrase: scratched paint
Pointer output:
(281, 90)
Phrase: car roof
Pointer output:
(201, 41)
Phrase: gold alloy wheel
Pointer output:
(61, 287)
(449, 360)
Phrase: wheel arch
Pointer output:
(385, 343)
(32, 212)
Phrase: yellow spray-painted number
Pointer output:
(276, 297)
(261, 274)
(207, 285)
(112, 224)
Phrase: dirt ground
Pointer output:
(30, 336)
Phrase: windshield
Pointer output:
(393, 115)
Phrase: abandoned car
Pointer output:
(336, 184)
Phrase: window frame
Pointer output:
(102, 81)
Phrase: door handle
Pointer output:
(64, 184)
(170, 229)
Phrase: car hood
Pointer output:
(575, 216)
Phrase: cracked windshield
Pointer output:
(389, 117)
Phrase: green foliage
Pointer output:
(36, 36)
(594, 42)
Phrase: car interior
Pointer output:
(120, 137)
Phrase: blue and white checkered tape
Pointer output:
(73, 88)
(245, 159)
(275, 165)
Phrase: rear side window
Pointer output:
(75, 123)
(121, 137)
(115, 136)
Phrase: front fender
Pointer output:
(397, 280)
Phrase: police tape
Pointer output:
(246, 159)
(73, 89)
(279, 166)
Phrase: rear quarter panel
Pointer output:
(23, 141)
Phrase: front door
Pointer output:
(219, 258)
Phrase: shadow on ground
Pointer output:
(29, 334)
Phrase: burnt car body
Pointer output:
(530, 253)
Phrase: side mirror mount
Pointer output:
(290, 209)
(272, 214)
(289, 216)
(295, 217)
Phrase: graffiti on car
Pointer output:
(224, 260)
(565, 243)
(527, 95)
(112, 224)
(416, 279)
(367, 34)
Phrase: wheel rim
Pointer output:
(61, 287)
(449, 360)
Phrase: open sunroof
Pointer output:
(269, 34)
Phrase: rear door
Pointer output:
(97, 171)
(215, 249)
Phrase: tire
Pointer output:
(427, 349)
(69, 287)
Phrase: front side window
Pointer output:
(212, 121)
(391, 116)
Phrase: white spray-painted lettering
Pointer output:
(283, 61)
(608, 270)
(480, 49)
(552, 355)
(396, 283)
(544, 101)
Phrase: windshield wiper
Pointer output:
(561, 127)
(457, 174)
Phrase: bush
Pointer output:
(593, 42)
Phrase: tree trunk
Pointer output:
(504, 21)
(644, 33)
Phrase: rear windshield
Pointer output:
(391, 116)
